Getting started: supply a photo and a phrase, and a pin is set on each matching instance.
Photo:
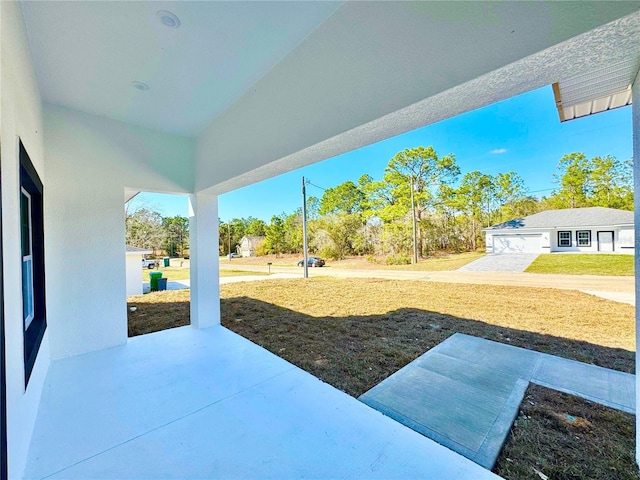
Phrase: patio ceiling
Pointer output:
(87, 54)
(305, 81)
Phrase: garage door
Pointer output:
(516, 243)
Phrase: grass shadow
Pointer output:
(355, 353)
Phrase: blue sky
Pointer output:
(522, 134)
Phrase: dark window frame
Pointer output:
(4, 471)
(30, 181)
(560, 239)
(588, 244)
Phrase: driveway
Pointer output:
(512, 262)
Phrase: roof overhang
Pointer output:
(598, 90)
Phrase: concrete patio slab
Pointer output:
(465, 392)
(511, 262)
(188, 403)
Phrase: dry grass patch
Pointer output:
(353, 333)
(565, 437)
(157, 311)
(242, 273)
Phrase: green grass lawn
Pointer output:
(583, 264)
(170, 273)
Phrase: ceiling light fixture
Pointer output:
(140, 85)
(168, 19)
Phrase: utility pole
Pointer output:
(414, 260)
(229, 237)
(304, 229)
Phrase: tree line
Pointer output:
(424, 196)
(146, 228)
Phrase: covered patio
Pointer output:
(155, 408)
(100, 100)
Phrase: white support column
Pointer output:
(203, 251)
(635, 126)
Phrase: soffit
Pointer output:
(602, 88)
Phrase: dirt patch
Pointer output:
(565, 438)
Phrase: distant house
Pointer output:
(588, 230)
(248, 245)
(134, 269)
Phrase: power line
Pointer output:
(543, 190)
(308, 182)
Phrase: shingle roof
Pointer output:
(570, 218)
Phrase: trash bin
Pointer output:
(166, 261)
(162, 284)
(153, 280)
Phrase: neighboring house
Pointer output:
(588, 230)
(99, 99)
(134, 269)
(248, 245)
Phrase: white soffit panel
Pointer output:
(597, 91)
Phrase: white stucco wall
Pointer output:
(20, 118)
(635, 116)
(134, 273)
(622, 240)
(593, 248)
(90, 161)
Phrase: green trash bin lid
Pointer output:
(155, 274)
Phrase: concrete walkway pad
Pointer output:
(508, 262)
(466, 392)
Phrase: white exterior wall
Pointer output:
(90, 161)
(20, 118)
(635, 116)
(619, 240)
(134, 273)
(622, 240)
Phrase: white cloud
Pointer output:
(498, 151)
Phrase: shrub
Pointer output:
(398, 260)
(329, 251)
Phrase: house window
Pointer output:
(32, 243)
(27, 258)
(564, 239)
(584, 238)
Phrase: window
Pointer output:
(32, 243)
(584, 238)
(27, 258)
(564, 239)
